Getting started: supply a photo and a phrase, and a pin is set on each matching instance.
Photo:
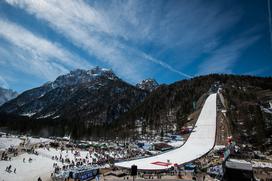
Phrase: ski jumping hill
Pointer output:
(200, 142)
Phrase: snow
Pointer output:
(38, 140)
(41, 95)
(176, 144)
(39, 167)
(47, 115)
(267, 110)
(261, 164)
(200, 142)
(219, 147)
(239, 161)
(6, 142)
(105, 70)
(148, 84)
(56, 117)
(54, 152)
(28, 114)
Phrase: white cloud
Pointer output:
(223, 58)
(3, 83)
(269, 21)
(256, 72)
(97, 31)
(115, 32)
(36, 55)
(166, 66)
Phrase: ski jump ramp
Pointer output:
(199, 143)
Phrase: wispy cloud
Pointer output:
(225, 56)
(3, 83)
(98, 32)
(269, 21)
(36, 55)
(166, 66)
(256, 71)
(135, 37)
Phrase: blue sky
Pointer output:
(165, 40)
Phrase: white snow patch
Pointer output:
(219, 147)
(39, 167)
(6, 142)
(41, 95)
(55, 117)
(28, 114)
(38, 140)
(261, 164)
(47, 115)
(266, 110)
(176, 144)
(105, 70)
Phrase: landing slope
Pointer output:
(200, 142)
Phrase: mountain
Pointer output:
(247, 103)
(6, 95)
(95, 96)
(98, 104)
(148, 85)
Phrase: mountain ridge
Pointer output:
(6, 95)
(53, 98)
(125, 111)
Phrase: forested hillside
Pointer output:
(247, 99)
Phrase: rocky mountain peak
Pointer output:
(97, 95)
(148, 84)
(80, 76)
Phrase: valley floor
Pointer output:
(202, 147)
(40, 166)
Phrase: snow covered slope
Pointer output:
(6, 142)
(27, 171)
(200, 142)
